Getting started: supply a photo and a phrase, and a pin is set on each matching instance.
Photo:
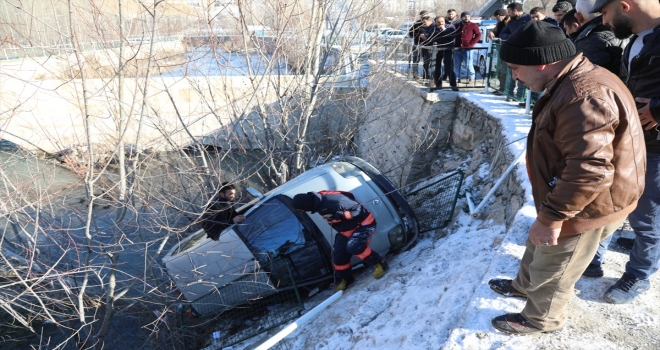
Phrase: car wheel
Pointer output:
(482, 66)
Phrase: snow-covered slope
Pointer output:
(436, 295)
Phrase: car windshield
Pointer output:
(273, 230)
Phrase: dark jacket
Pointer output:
(416, 30)
(514, 24)
(643, 80)
(551, 20)
(585, 149)
(440, 37)
(469, 36)
(218, 216)
(346, 214)
(499, 27)
(598, 43)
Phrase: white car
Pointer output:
(391, 35)
(278, 247)
(480, 58)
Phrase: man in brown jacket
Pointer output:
(586, 161)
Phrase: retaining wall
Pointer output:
(410, 130)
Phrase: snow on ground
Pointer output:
(436, 295)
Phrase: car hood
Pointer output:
(213, 264)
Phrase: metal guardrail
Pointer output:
(434, 203)
(65, 49)
(501, 80)
(402, 54)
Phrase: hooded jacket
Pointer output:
(598, 43)
(585, 150)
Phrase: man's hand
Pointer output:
(540, 234)
(491, 35)
(238, 219)
(645, 114)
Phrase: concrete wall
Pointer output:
(409, 131)
(49, 114)
(405, 126)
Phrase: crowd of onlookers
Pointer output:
(593, 149)
(459, 35)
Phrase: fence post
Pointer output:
(528, 101)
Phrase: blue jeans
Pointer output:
(602, 247)
(463, 57)
(645, 221)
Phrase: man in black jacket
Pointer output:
(220, 212)
(597, 41)
(442, 38)
(640, 69)
(355, 226)
(417, 29)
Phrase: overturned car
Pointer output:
(277, 247)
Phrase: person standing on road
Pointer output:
(640, 69)
(517, 19)
(468, 36)
(451, 21)
(443, 39)
(586, 164)
(355, 226)
(502, 19)
(414, 32)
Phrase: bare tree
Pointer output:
(155, 103)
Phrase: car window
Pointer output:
(272, 230)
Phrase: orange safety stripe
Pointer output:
(342, 267)
(365, 254)
(347, 234)
(347, 215)
(330, 192)
(368, 220)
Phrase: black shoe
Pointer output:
(593, 271)
(505, 287)
(522, 104)
(454, 88)
(516, 324)
(625, 243)
(626, 289)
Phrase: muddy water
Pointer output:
(167, 197)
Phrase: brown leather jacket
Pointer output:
(585, 150)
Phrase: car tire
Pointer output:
(482, 66)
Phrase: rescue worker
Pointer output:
(355, 226)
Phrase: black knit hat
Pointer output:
(464, 13)
(536, 43)
(304, 201)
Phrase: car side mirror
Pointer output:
(255, 193)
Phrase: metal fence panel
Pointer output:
(434, 203)
(252, 305)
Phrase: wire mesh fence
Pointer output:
(434, 203)
(252, 304)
